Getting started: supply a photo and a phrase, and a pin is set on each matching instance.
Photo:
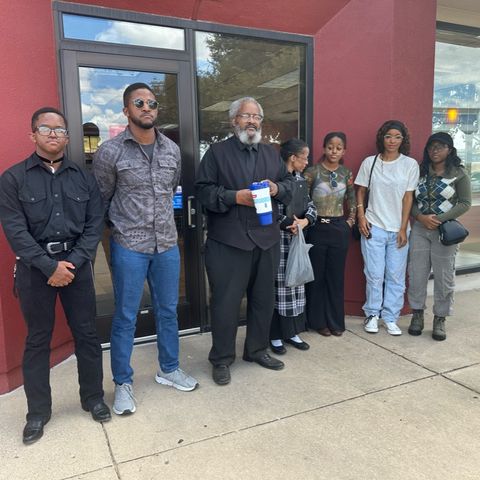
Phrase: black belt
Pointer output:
(330, 219)
(58, 247)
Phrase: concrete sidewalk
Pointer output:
(357, 407)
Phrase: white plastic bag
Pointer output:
(299, 268)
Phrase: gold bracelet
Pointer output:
(360, 205)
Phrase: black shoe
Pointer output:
(33, 430)
(299, 345)
(265, 360)
(221, 374)
(100, 412)
(281, 350)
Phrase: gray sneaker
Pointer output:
(124, 403)
(177, 379)
(416, 324)
(439, 333)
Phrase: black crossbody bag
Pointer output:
(451, 231)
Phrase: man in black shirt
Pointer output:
(52, 215)
(241, 255)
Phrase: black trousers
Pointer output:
(232, 273)
(37, 301)
(325, 295)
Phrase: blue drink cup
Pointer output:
(263, 202)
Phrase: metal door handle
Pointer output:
(190, 211)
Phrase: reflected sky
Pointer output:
(126, 33)
(101, 93)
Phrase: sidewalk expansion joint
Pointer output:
(110, 451)
(394, 353)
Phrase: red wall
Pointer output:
(28, 81)
(305, 17)
(373, 61)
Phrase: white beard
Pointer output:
(245, 138)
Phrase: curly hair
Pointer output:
(397, 125)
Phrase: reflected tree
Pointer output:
(270, 71)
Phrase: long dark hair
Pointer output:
(294, 146)
(397, 125)
(452, 160)
(342, 136)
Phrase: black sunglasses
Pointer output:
(333, 179)
(139, 103)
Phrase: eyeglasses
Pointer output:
(397, 138)
(139, 103)
(46, 131)
(436, 147)
(333, 179)
(248, 116)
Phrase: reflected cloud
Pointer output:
(135, 34)
(453, 66)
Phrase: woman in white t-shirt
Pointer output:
(384, 224)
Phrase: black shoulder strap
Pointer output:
(371, 171)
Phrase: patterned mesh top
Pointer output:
(329, 189)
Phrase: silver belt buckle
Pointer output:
(49, 246)
(324, 220)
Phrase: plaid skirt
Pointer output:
(289, 302)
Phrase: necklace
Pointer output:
(49, 162)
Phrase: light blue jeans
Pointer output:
(129, 271)
(385, 267)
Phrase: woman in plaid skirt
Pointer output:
(288, 317)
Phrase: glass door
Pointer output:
(94, 84)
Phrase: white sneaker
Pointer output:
(124, 403)
(370, 324)
(392, 328)
(177, 379)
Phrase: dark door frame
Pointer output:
(145, 57)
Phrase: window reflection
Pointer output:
(230, 67)
(456, 109)
(101, 95)
(97, 29)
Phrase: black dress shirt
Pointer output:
(38, 206)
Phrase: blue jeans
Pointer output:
(385, 267)
(129, 271)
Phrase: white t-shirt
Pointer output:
(390, 181)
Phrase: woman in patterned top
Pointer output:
(288, 317)
(443, 193)
(331, 184)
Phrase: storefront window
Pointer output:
(231, 66)
(273, 72)
(456, 108)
